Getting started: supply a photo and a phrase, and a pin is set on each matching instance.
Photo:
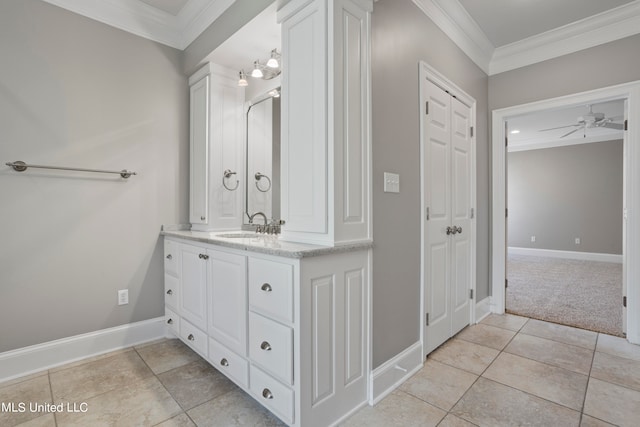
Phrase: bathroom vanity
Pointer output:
(287, 322)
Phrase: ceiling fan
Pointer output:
(589, 121)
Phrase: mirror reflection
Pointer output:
(262, 192)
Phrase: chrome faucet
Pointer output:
(259, 228)
(269, 228)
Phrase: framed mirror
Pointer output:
(262, 180)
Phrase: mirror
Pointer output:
(262, 180)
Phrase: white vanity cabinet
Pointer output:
(292, 331)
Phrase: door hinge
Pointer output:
(506, 283)
(426, 108)
(506, 213)
(427, 319)
(472, 213)
(624, 301)
(506, 141)
(427, 214)
(626, 124)
(470, 293)
(471, 131)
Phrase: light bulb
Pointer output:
(257, 72)
(242, 82)
(273, 61)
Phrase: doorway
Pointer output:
(448, 236)
(631, 223)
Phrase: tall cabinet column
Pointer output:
(326, 121)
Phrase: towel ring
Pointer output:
(258, 177)
(226, 175)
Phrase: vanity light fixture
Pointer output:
(257, 71)
(275, 93)
(242, 82)
(274, 61)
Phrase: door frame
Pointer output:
(631, 233)
(426, 72)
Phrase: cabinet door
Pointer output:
(199, 152)
(228, 300)
(193, 292)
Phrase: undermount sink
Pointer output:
(239, 235)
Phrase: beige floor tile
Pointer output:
(439, 384)
(465, 355)
(90, 359)
(505, 321)
(22, 379)
(612, 403)
(20, 396)
(47, 420)
(616, 370)
(181, 420)
(488, 403)
(588, 421)
(562, 333)
(91, 379)
(452, 421)
(574, 358)
(618, 346)
(486, 335)
(195, 383)
(166, 355)
(141, 403)
(233, 409)
(397, 409)
(548, 382)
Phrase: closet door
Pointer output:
(447, 195)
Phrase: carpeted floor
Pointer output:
(585, 294)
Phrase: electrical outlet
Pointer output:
(577, 240)
(533, 239)
(123, 296)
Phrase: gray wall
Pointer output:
(402, 36)
(76, 92)
(558, 194)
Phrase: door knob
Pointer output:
(450, 231)
(458, 229)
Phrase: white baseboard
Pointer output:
(36, 358)
(388, 376)
(483, 309)
(550, 253)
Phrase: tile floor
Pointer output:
(505, 371)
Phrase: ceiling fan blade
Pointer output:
(559, 127)
(567, 134)
(618, 126)
(615, 118)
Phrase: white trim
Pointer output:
(483, 309)
(630, 91)
(149, 22)
(36, 358)
(388, 376)
(552, 253)
(455, 22)
(553, 143)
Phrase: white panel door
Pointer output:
(447, 194)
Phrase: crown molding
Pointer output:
(605, 27)
(149, 22)
(456, 23)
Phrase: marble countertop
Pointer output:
(265, 244)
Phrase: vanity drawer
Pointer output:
(171, 289)
(171, 254)
(193, 337)
(172, 320)
(271, 288)
(229, 363)
(272, 394)
(271, 346)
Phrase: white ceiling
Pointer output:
(170, 6)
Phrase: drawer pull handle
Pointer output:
(265, 346)
(169, 292)
(169, 256)
(224, 362)
(170, 321)
(266, 393)
(191, 337)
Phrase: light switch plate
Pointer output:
(391, 182)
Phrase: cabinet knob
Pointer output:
(266, 393)
(191, 337)
(265, 346)
(266, 287)
(203, 256)
(202, 218)
(169, 292)
(224, 362)
(170, 321)
(169, 256)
